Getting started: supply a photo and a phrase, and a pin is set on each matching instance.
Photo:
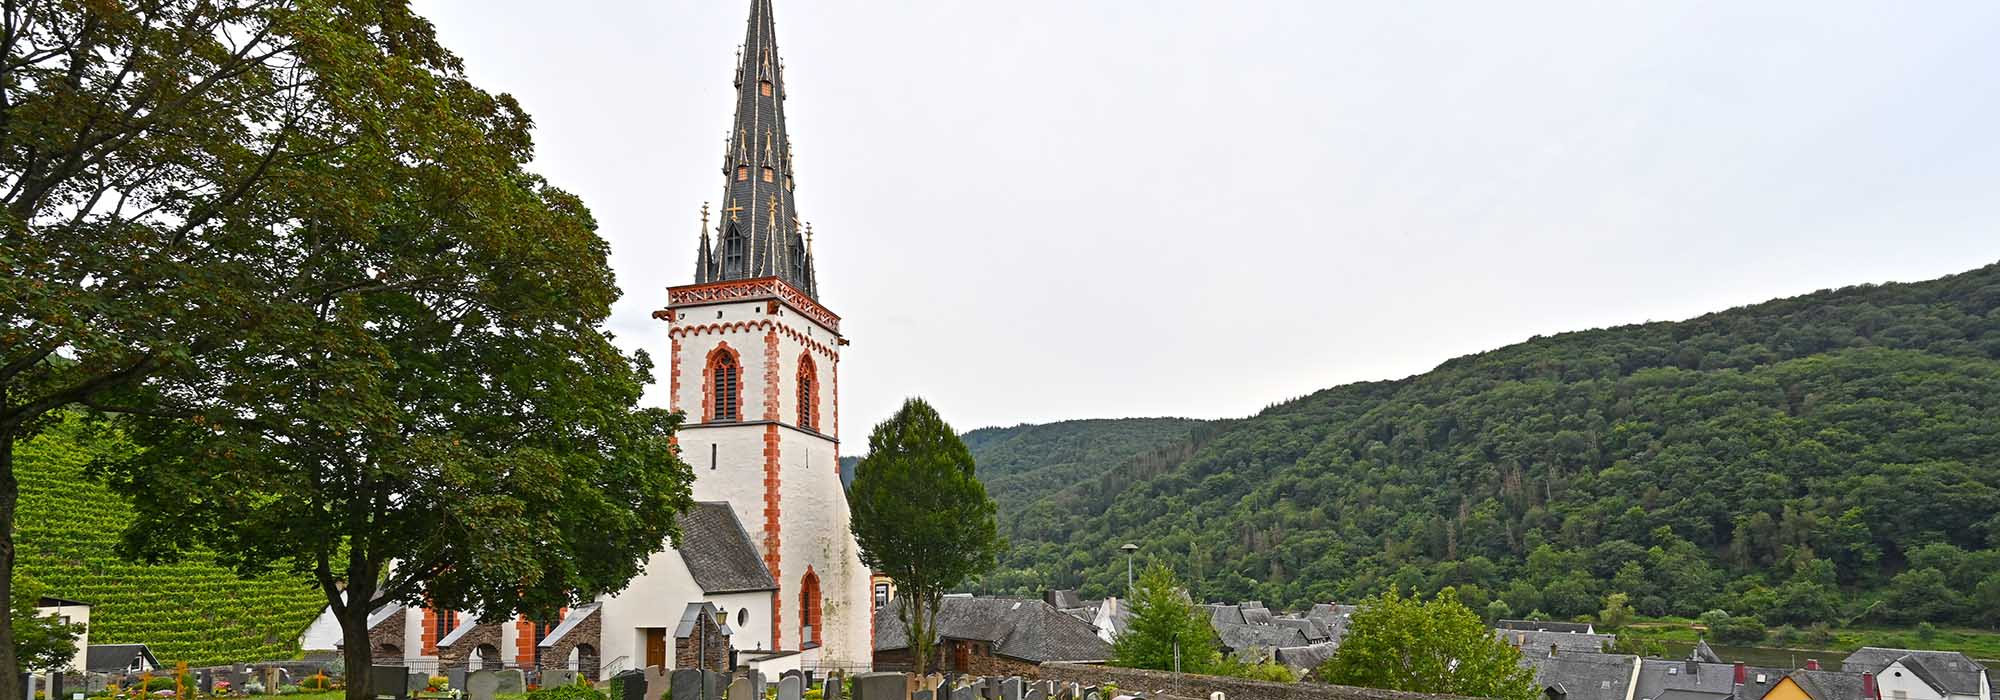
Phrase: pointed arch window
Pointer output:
(809, 609)
(725, 386)
(808, 393)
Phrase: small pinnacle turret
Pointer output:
(758, 234)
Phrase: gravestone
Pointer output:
(1010, 689)
(558, 677)
(658, 680)
(712, 684)
(1091, 692)
(1217, 695)
(742, 687)
(1036, 692)
(96, 682)
(418, 682)
(231, 676)
(274, 678)
(512, 682)
(687, 684)
(631, 685)
(923, 695)
(964, 692)
(881, 686)
(757, 684)
(836, 685)
(792, 687)
(390, 682)
(932, 681)
(482, 685)
(455, 677)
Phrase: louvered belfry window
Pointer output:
(808, 393)
(727, 377)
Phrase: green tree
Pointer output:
(1616, 613)
(1435, 646)
(922, 517)
(1920, 595)
(1162, 616)
(431, 411)
(41, 643)
(166, 166)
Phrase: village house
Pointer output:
(1908, 674)
(68, 612)
(991, 637)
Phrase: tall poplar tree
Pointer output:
(922, 517)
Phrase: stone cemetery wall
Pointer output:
(1182, 686)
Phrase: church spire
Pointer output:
(757, 235)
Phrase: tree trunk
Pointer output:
(10, 667)
(920, 635)
(355, 649)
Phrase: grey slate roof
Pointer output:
(1829, 685)
(1948, 671)
(1306, 658)
(758, 235)
(1310, 628)
(116, 658)
(1539, 642)
(1703, 652)
(575, 617)
(1239, 637)
(718, 551)
(1589, 676)
(1225, 615)
(1333, 617)
(691, 616)
(1661, 679)
(1029, 630)
(1543, 626)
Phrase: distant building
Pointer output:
(1909, 674)
(1542, 643)
(1545, 626)
(991, 636)
(125, 659)
(69, 612)
(1584, 676)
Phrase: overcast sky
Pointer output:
(1033, 210)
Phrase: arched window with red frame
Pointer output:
(809, 608)
(725, 385)
(808, 393)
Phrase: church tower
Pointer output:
(756, 367)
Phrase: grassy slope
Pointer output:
(191, 611)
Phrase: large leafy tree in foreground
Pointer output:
(1167, 632)
(297, 249)
(167, 168)
(922, 517)
(1435, 646)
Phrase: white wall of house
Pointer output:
(73, 614)
(658, 598)
(1897, 682)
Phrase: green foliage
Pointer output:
(41, 643)
(574, 691)
(1804, 460)
(1268, 671)
(1616, 612)
(1163, 615)
(1435, 646)
(921, 516)
(1739, 629)
(195, 610)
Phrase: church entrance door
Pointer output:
(656, 647)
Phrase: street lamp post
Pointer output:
(1129, 549)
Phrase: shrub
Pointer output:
(567, 692)
(1741, 629)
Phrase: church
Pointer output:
(768, 574)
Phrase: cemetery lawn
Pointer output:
(342, 695)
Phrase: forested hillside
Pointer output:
(1828, 458)
(193, 611)
(1024, 462)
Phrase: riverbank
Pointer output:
(1784, 646)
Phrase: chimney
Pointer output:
(1693, 667)
(1742, 673)
(1552, 651)
(1812, 664)
(1868, 691)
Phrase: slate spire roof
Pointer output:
(758, 232)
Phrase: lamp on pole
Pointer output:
(1129, 549)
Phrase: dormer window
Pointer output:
(764, 86)
(770, 174)
(743, 173)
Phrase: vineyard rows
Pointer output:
(193, 610)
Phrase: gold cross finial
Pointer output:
(774, 211)
(733, 208)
